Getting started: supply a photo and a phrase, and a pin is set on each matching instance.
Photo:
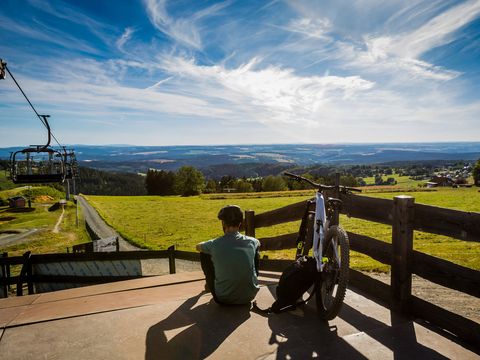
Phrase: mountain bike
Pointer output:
(320, 231)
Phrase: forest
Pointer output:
(188, 180)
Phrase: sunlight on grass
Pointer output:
(156, 222)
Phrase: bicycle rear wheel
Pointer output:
(331, 290)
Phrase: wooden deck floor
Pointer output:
(171, 317)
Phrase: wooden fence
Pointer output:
(404, 216)
(27, 278)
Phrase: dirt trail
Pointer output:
(56, 229)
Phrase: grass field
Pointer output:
(402, 181)
(156, 222)
(44, 240)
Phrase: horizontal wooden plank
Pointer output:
(14, 260)
(367, 208)
(107, 256)
(12, 280)
(286, 241)
(446, 273)
(458, 224)
(75, 279)
(465, 329)
(274, 265)
(376, 249)
(187, 255)
(278, 216)
(371, 287)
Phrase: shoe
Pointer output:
(207, 288)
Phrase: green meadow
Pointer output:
(156, 222)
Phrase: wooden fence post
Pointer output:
(402, 252)
(171, 259)
(24, 273)
(250, 223)
(5, 276)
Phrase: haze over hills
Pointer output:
(131, 158)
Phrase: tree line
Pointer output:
(188, 181)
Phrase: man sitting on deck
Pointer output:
(230, 262)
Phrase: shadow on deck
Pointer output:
(171, 317)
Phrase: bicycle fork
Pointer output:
(321, 224)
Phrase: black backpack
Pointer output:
(296, 279)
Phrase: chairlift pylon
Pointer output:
(40, 163)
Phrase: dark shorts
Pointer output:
(209, 271)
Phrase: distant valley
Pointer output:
(139, 159)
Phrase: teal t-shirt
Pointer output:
(233, 256)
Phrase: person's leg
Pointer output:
(208, 270)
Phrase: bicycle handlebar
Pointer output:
(319, 186)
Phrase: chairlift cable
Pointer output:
(26, 98)
(41, 117)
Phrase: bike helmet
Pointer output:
(232, 215)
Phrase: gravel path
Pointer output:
(18, 238)
(100, 227)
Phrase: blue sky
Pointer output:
(179, 72)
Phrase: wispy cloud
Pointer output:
(181, 29)
(277, 91)
(309, 27)
(437, 32)
(39, 31)
(402, 52)
(73, 15)
(126, 36)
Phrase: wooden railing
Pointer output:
(30, 278)
(404, 216)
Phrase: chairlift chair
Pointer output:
(35, 165)
(38, 163)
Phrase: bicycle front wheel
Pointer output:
(331, 290)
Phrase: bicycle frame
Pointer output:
(322, 222)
